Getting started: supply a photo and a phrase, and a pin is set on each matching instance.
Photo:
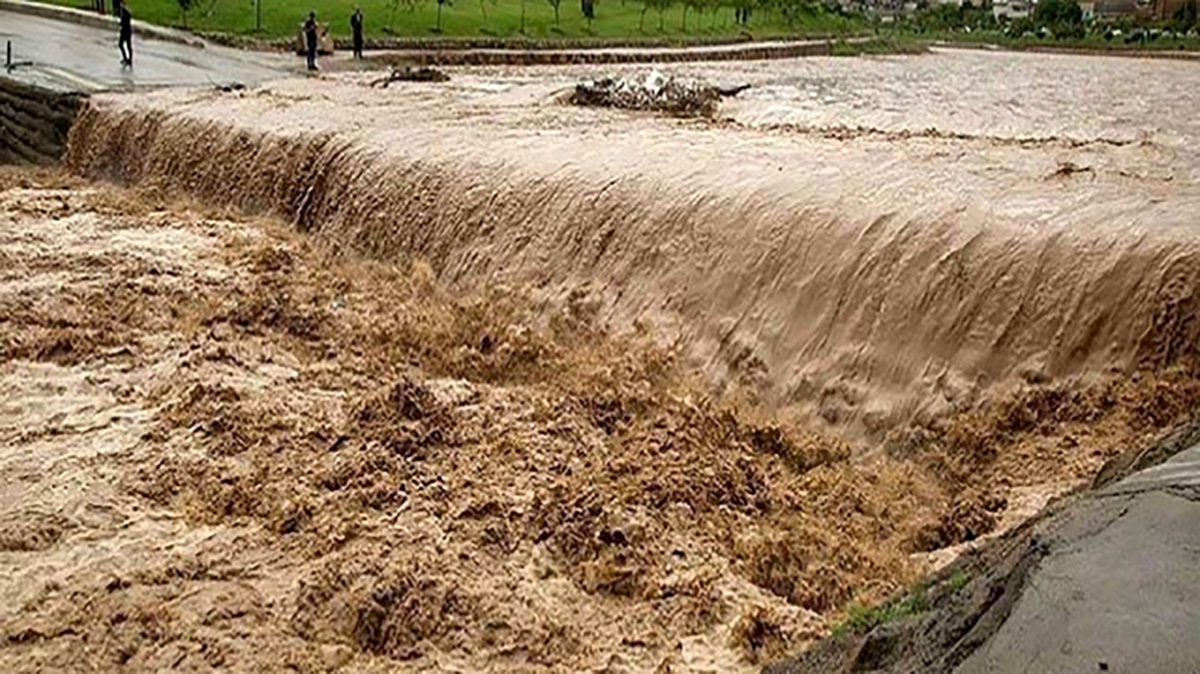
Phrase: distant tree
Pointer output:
(741, 12)
(661, 6)
(588, 9)
(1186, 16)
(439, 13)
(483, 11)
(393, 5)
(555, 4)
(185, 6)
(522, 30)
(714, 12)
(1019, 27)
(1056, 13)
(695, 5)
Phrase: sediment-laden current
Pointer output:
(873, 236)
(545, 388)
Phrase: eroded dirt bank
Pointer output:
(842, 241)
(225, 444)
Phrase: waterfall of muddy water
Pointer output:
(870, 238)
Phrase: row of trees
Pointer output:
(789, 12)
(947, 17)
(1061, 18)
(1187, 17)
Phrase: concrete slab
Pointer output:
(1181, 470)
(72, 57)
(1108, 581)
(1126, 599)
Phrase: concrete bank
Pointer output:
(1107, 581)
(66, 56)
(83, 18)
(751, 51)
(34, 122)
(1172, 54)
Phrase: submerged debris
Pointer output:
(653, 91)
(410, 74)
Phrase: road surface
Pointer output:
(1119, 590)
(1108, 582)
(68, 56)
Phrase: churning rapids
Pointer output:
(873, 238)
(594, 390)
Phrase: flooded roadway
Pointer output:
(73, 57)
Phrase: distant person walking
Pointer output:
(310, 40)
(356, 27)
(126, 41)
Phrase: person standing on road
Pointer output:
(310, 40)
(356, 27)
(125, 43)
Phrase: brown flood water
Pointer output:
(232, 446)
(870, 237)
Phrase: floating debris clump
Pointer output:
(650, 91)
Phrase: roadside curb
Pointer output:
(1174, 54)
(88, 19)
(494, 57)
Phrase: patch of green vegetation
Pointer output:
(879, 45)
(675, 20)
(862, 619)
(957, 580)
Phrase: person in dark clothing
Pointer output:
(310, 40)
(126, 41)
(356, 27)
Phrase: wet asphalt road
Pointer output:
(68, 56)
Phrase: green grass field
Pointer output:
(465, 18)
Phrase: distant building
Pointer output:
(1165, 9)
(1011, 9)
(1089, 11)
(1115, 9)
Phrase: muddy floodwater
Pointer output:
(456, 377)
(874, 238)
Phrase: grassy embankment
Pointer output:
(614, 19)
